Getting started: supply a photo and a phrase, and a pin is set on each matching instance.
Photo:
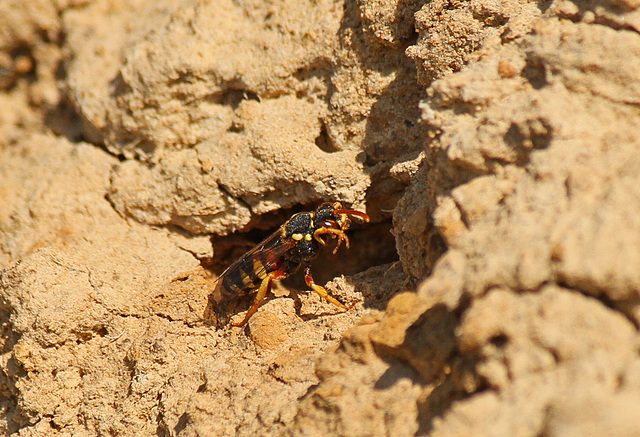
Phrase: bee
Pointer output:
(292, 247)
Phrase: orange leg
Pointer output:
(337, 232)
(265, 286)
(323, 292)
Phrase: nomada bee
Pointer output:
(291, 247)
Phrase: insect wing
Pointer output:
(269, 252)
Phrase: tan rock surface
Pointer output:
(501, 136)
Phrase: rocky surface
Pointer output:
(493, 143)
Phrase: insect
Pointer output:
(288, 249)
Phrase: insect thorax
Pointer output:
(303, 252)
(300, 230)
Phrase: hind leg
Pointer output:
(323, 291)
(265, 286)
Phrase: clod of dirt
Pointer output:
(501, 136)
(220, 186)
(234, 127)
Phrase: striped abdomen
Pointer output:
(245, 277)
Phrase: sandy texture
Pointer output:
(496, 140)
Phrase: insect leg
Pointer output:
(265, 286)
(339, 233)
(323, 292)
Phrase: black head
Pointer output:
(326, 217)
(333, 216)
(331, 220)
(307, 228)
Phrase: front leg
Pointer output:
(338, 233)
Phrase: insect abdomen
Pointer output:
(246, 277)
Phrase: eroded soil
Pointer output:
(493, 143)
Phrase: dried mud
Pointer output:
(493, 143)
